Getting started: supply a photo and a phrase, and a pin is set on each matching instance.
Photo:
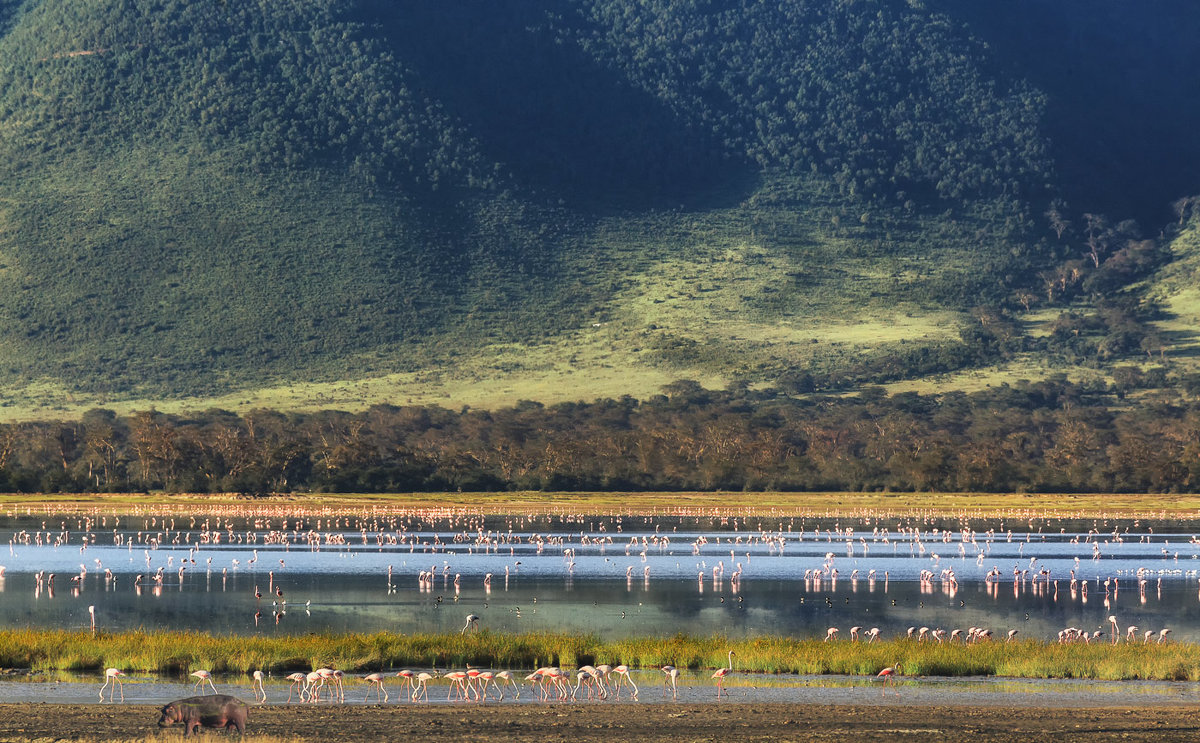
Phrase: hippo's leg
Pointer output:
(189, 727)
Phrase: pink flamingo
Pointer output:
(507, 676)
(324, 677)
(205, 677)
(583, 678)
(623, 678)
(297, 680)
(889, 675)
(112, 679)
(376, 680)
(458, 680)
(483, 680)
(410, 677)
(476, 684)
(535, 679)
(720, 674)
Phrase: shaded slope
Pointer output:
(1121, 89)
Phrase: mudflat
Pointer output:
(582, 723)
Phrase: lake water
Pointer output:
(827, 690)
(612, 576)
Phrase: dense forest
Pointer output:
(1050, 436)
(202, 197)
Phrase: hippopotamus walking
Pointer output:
(211, 711)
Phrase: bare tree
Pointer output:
(1183, 207)
(1097, 236)
(1056, 216)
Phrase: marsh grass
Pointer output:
(178, 653)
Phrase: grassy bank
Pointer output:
(178, 653)
(717, 504)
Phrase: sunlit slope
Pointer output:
(306, 203)
(1177, 289)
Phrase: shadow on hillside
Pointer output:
(559, 123)
(1123, 96)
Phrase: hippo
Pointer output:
(211, 711)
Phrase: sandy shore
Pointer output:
(583, 723)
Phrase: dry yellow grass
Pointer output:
(974, 505)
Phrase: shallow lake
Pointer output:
(612, 576)
(76, 689)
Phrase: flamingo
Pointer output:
(535, 679)
(375, 679)
(671, 681)
(507, 676)
(112, 679)
(410, 677)
(720, 674)
(337, 683)
(313, 681)
(258, 687)
(595, 679)
(474, 675)
(205, 677)
(324, 677)
(1162, 634)
(602, 672)
(297, 680)
(830, 634)
(1116, 630)
(458, 680)
(421, 686)
(560, 681)
(471, 620)
(583, 678)
(623, 678)
(889, 675)
(486, 679)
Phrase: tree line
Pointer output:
(1051, 436)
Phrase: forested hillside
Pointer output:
(201, 198)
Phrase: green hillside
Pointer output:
(338, 201)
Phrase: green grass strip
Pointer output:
(178, 653)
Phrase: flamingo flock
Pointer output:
(951, 552)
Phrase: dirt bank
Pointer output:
(582, 723)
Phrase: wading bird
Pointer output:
(112, 679)
(671, 681)
(376, 680)
(204, 677)
(889, 676)
(720, 674)
(258, 687)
